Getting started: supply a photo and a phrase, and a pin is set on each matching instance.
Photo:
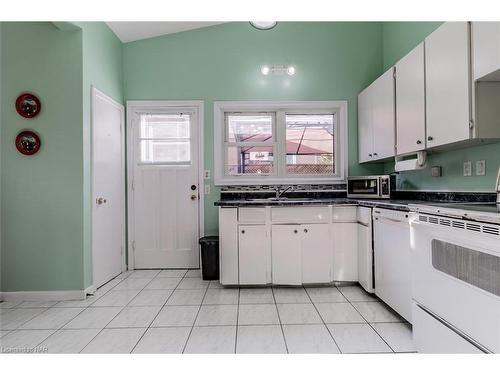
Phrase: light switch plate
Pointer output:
(481, 168)
(467, 168)
(206, 175)
(207, 189)
(436, 171)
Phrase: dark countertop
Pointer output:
(401, 205)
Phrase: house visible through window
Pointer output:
(277, 142)
(249, 147)
(165, 138)
(310, 144)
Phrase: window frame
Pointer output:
(272, 143)
(280, 108)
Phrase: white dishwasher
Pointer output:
(391, 239)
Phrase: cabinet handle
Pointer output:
(375, 154)
(295, 231)
(370, 155)
(429, 138)
(243, 232)
(305, 230)
(419, 142)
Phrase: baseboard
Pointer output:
(89, 290)
(48, 295)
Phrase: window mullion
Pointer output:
(280, 144)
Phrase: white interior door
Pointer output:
(108, 190)
(165, 191)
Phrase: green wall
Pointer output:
(45, 199)
(333, 61)
(42, 195)
(399, 38)
(102, 68)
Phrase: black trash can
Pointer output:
(210, 257)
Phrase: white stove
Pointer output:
(456, 277)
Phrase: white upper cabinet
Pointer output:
(486, 50)
(383, 116)
(410, 102)
(376, 129)
(448, 84)
(365, 134)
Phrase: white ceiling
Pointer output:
(130, 31)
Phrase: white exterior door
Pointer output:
(165, 212)
(108, 188)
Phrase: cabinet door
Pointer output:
(286, 255)
(365, 257)
(365, 134)
(383, 116)
(410, 102)
(345, 251)
(486, 50)
(447, 84)
(228, 245)
(317, 251)
(254, 253)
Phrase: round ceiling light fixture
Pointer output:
(263, 25)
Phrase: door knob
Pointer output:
(193, 187)
(100, 200)
(194, 197)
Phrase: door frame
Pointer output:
(144, 105)
(95, 92)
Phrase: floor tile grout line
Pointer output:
(354, 307)
(324, 323)
(279, 319)
(194, 322)
(158, 313)
(123, 307)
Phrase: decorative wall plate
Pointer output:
(28, 142)
(28, 105)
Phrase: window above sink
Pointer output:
(264, 143)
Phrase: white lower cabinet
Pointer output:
(316, 243)
(345, 251)
(288, 245)
(254, 255)
(286, 254)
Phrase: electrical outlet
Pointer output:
(481, 168)
(206, 175)
(207, 189)
(467, 168)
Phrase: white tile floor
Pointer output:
(175, 311)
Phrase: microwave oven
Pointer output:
(371, 186)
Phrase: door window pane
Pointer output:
(165, 138)
(310, 143)
(249, 160)
(249, 128)
(159, 151)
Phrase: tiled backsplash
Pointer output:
(272, 188)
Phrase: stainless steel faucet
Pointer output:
(280, 192)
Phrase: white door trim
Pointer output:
(143, 105)
(94, 94)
